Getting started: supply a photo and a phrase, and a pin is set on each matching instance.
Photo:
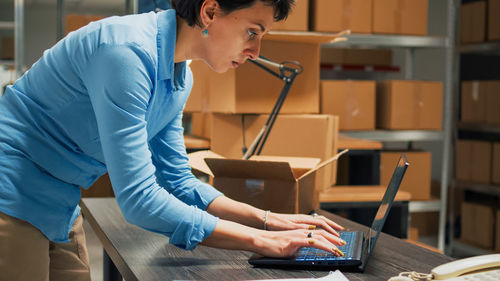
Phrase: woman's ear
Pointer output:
(207, 12)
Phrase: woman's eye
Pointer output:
(252, 34)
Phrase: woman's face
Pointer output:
(235, 37)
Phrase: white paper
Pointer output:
(332, 276)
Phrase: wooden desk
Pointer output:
(142, 255)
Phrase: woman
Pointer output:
(109, 97)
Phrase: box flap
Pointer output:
(305, 37)
(300, 165)
(324, 163)
(196, 160)
(237, 168)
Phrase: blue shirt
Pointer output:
(107, 97)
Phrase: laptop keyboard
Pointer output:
(315, 254)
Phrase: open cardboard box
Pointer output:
(279, 184)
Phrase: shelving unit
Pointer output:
(485, 131)
(17, 26)
(409, 44)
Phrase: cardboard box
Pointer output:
(473, 22)
(474, 161)
(101, 188)
(7, 48)
(417, 180)
(298, 19)
(493, 20)
(199, 93)
(400, 17)
(279, 184)
(409, 105)
(382, 57)
(292, 135)
(352, 101)
(75, 21)
(478, 224)
(473, 101)
(497, 231)
(338, 15)
(250, 89)
(413, 233)
(426, 222)
(493, 102)
(495, 165)
(201, 124)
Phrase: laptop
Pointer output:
(359, 245)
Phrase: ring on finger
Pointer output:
(309, 235)
(310, 241)
(314, 215)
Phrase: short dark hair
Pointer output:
(189, 10)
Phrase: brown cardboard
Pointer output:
(353, 101)
(493, 20)
(382, 57)
(266, 183)
(493, 102)
(473, 101)
(400, 17)
(292, 136)
(478, 224)
(201, 124)
(199, 92)
(7, 48)
(426, 222)
(413, 233)
(407, 105)
(75, 21)
(417, 179)
(250, 89)
(297, 20)
(474, 161)
(495, 165)
(473, 22)
(338, 15)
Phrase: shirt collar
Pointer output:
(167, 69)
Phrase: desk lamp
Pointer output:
(288, 70)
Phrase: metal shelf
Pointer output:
(7, 25)
(479, 127)
(425, 206)
(468, 250)
(7, 62)
(397, 136)
(390, 41)
(480, 188)
(481, 48)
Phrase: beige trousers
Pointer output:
(27, 255)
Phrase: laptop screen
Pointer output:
(383, 210)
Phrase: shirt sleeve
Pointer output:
(173, 170)
(118, 79)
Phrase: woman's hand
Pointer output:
(276, 221)
(286, 243)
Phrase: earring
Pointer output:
(204, 33)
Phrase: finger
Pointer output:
(321, 243)
(328, 236)
(331, 223)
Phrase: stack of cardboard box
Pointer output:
(238, 103)
(407, 17)
(480, 21)
(480, 225)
